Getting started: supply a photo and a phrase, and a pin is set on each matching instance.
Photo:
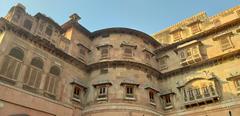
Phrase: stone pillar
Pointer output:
(42, 83)
(46, 69)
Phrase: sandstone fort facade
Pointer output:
(191, 68)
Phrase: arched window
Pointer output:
(52, 80)
(37, 62)
(17, 53)
(55, 70)
(33, 73)
(12, 63)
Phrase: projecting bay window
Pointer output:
(190, 53)
(104, 51)
(128, 50)
(78, 91)
(12, 64)
(83, 52)
(51, 81)
(33, 75)
(224, 41)
(102, 90)
(201, 94)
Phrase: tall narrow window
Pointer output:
(27, 24)
(51, 80)
(190, 94)
(198, 93)
(34, 73)
(77, 92)
(212, 89)
(205, 91)
(151, 96)
(12, 63)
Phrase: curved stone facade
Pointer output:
(191, 68)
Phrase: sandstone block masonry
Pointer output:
(189, 69)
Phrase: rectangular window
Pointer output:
(162, 63)
(225, 43)
(77, 92)
(177, 36)
(129, 91)
(105, 52)
(82, 53)
(128, 52)
(151, 96)
(237, 84)
(195, 28)
(102, 92)
(27, 24)
(168, 99)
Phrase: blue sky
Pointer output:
(149, 16)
